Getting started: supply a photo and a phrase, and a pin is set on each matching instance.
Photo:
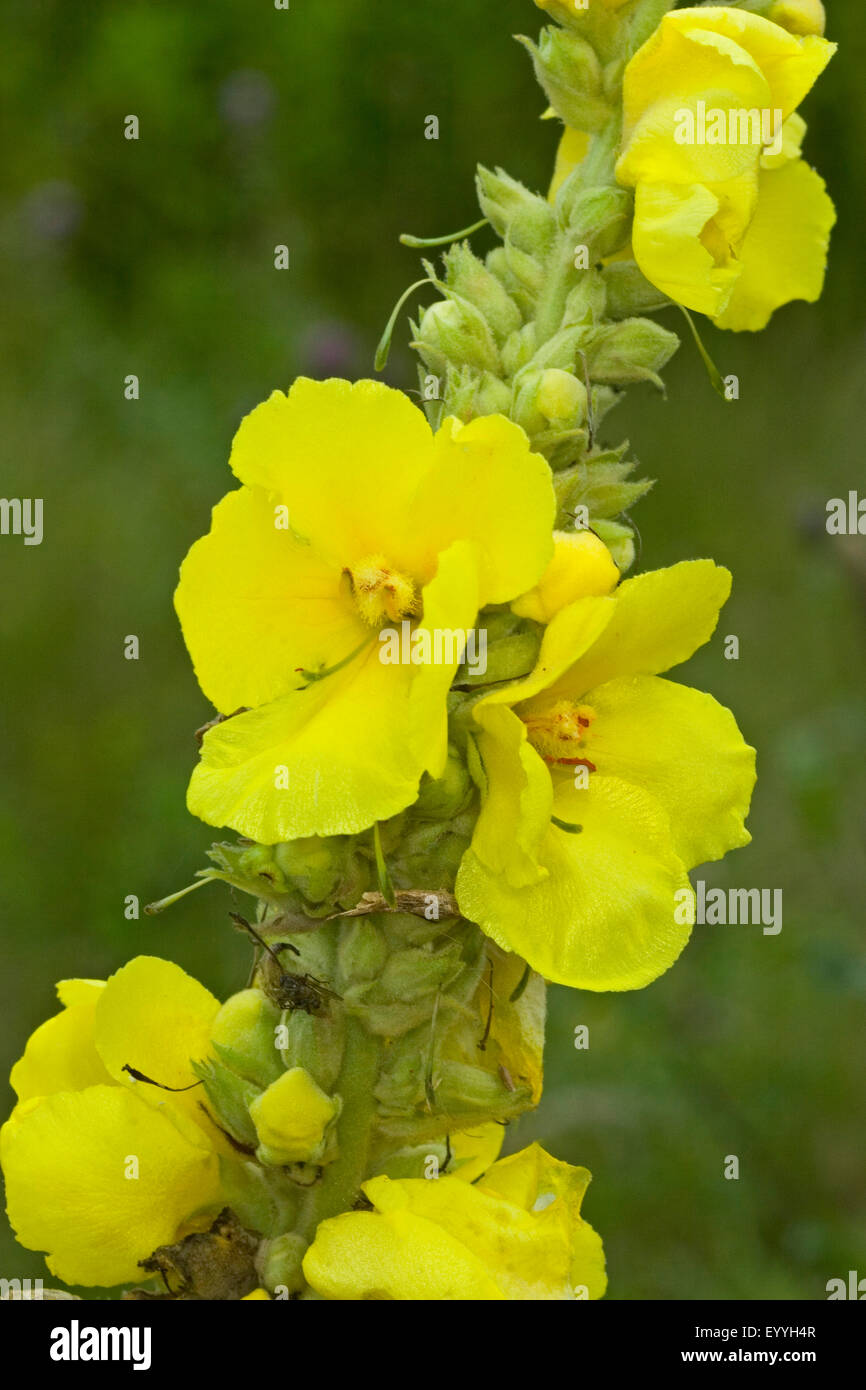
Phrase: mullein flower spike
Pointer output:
(443, 730)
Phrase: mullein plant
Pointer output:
(427, 839)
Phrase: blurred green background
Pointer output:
(155, 257)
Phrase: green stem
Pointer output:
(341, 1180)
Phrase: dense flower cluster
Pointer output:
(444, 733)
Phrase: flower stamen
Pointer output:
(382, 592)
(557, 733)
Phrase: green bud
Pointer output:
(469, 278)
(469, 1092)
(457, 333)
(629, 292)
(552, 394)
(468, 395)
(230, 1097)
(509, 657)
(562, 349)
(570, 73)
(519, 349)
(497, 263)
(440, 798)
(278, 1263)
(430, 856)
(314, 866)
(243, 1035)
(533, 229)
(600, 485)
(587, 302)
(561, 396)
(262, 1201)
(251, 868)
(632, 350)
(413, 974)
(314, 1043)
(598, 218)
(362, 951)
(619, 540)
(501, 197)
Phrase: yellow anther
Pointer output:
(557, 733)
(382, 592)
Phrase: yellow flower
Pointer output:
(353, 518)
(292, 1118)
(603, 784)
(729, 220)
(517, 1234)
(581, 565)
(799, 16)
(102, 1169)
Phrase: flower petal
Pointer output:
(256, 604)
(685, 749)
(72, 1189)
(660, 619)
(518, 799)
(474, 1150)
(680, 65)
(487, 486)
(670, 247)
(348, 750)
(346, 458)
(154, 1017)
(60, 1054)
(603, 918)
(361, 1255)
(790, 64)
(784, 254)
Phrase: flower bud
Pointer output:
(278, 1262)
(243, 1035)
(469, 278)
(570, 73)
(292, 1119)
(502, 198)
(362, 951)
(619, 540)
(561, 396)
(552, 394)
(466, 1092)
(519, 349)
(314, 1043)
(509, 658)
(799, 16)
(598, 218)
(456, 333)
(629, 293)
(587, 302)
(633, 350)
(581, 567)
(230, 1097)
(414, 974)
(440, 798)
(468, 395)
(315, 866)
